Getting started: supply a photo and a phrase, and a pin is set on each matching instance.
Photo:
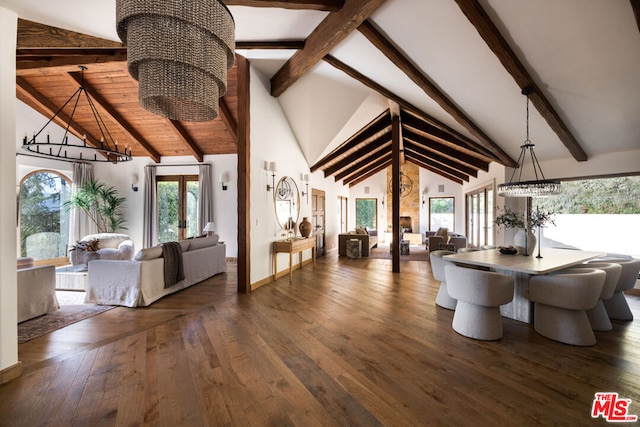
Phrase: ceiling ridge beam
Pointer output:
(375, 126)
(424, 82)
(501, 48)
(117, 117)
(325, 5)
(327, 35)
(407, 105)
(42, 105)
(444, 150)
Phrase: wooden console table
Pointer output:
(291, 247)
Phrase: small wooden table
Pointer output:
(521, 268)
(292, 246)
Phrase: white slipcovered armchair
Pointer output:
(113, 246)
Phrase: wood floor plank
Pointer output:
(347, 343)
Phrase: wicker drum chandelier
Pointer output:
(180, 52)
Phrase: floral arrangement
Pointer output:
(512, 219)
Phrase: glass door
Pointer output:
(177, 207)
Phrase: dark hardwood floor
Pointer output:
(349, 343)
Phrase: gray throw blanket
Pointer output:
(173, 267)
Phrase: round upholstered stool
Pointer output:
(598, 317)
(479, 294)
(617, 306)
(437, 268)
(561, 301)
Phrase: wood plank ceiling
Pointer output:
(47, 75)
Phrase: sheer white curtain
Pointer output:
(150, 234)
(79, 223)
(205, 196)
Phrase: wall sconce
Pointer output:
(382, 200)
(273, 168)
(305, 179)
(224, 177)
(134, 187)
(424, 196)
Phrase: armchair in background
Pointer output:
(112, 246)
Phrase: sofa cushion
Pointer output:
(185, 244)
(149, 253)
(203, 242)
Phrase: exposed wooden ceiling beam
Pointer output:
(326, 5)
(227, 119)
(443, 151)
(446, 163)
(35, 35)
(47, 109)
(379, 165)
(371, 148)
(278, 44)
(27, 58)
(435, 170)
(374, 127)
(455, 136)
(500, 47)
(364, 159)
(327, 35)
(419, 78)
(411, 121)
(132, 133)
(635, 5)
(183, 135)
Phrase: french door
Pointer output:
(177, 202)
(480, 216)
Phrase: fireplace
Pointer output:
(405, 224)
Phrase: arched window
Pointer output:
(44, 224)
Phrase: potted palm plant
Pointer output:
(101, 203)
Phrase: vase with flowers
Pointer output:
(525, 239)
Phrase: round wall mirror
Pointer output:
(287, 202)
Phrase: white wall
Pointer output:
(377, 186)
(8, 293)
(271, 141)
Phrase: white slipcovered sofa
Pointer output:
(36, 289)
(140, 282)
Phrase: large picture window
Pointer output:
(367, 213)
(44, 225)
(441, 213)
(177, 197)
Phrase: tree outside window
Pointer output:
(441, 212)
(44, 226)
(367, 213)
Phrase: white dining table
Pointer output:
(521, 268)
